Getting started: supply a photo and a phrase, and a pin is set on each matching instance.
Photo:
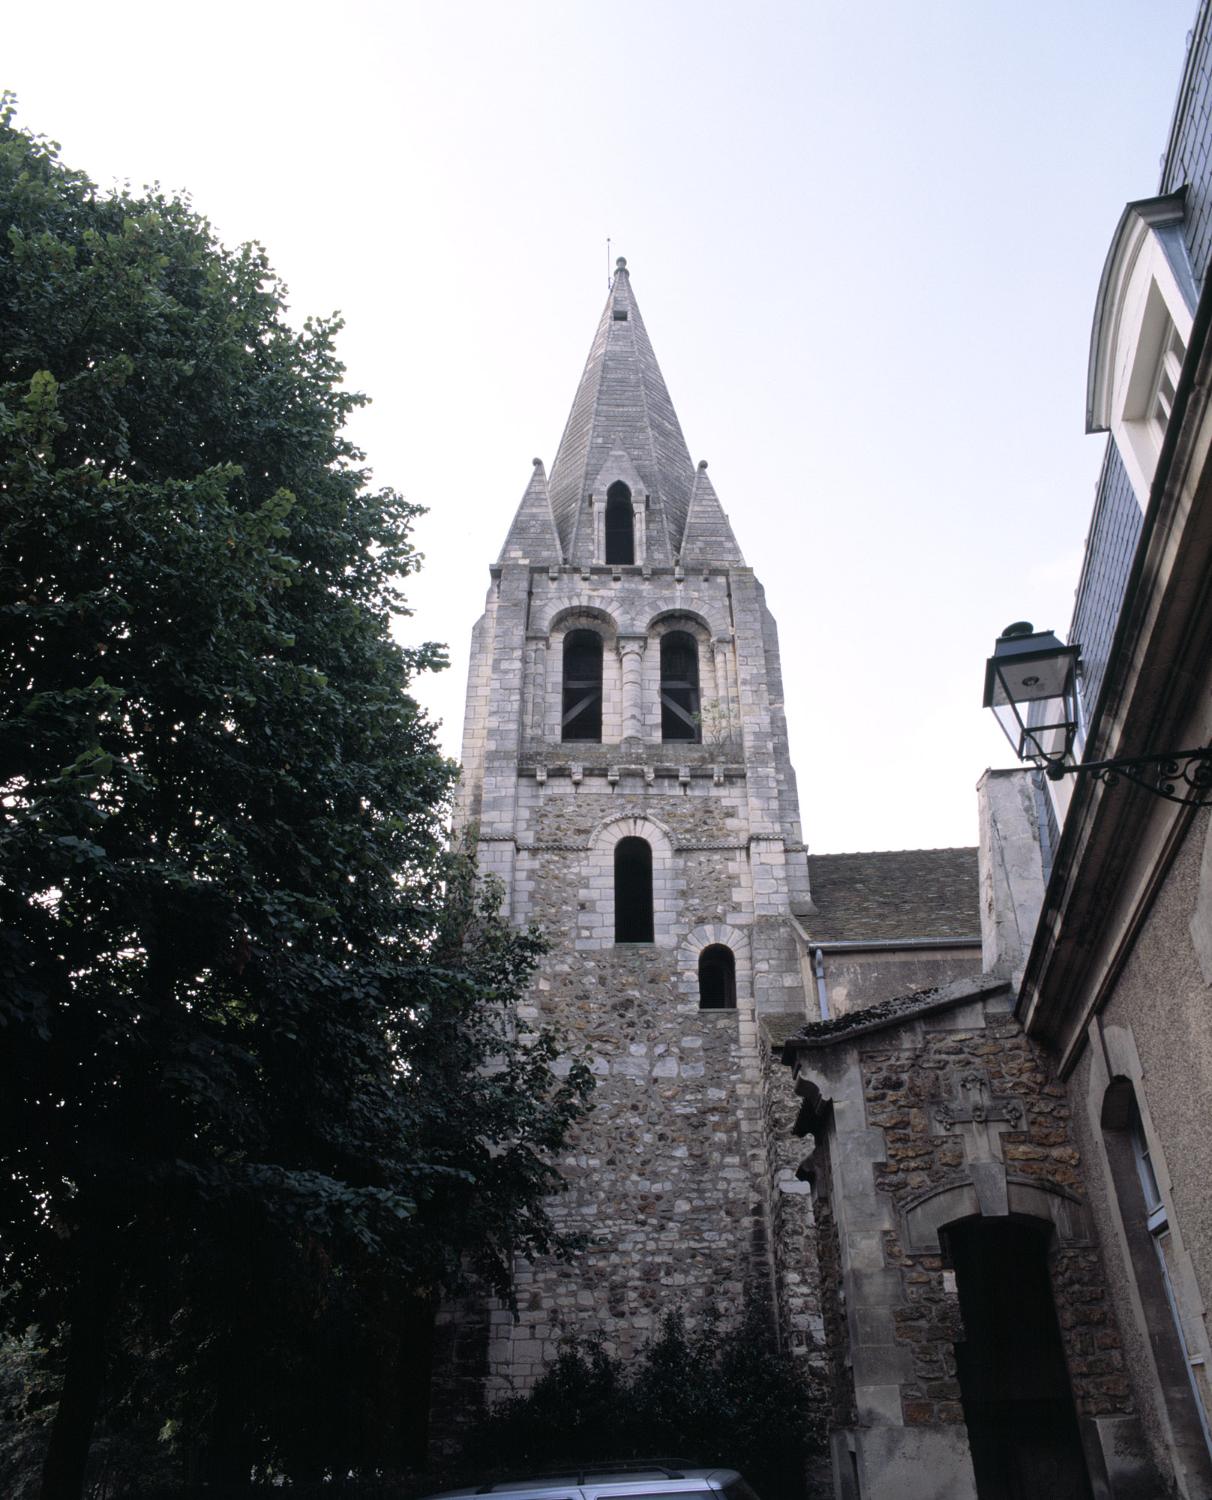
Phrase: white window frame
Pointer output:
(1157, 1222)
(1142, 328)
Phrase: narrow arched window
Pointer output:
(582, 717)
(632, 891)
(620, 524)
(717, 978)
(679, 686)
(1175, 1330)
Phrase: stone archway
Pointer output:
(1010, 1362)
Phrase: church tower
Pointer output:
(627, 777)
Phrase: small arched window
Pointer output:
(582, 716)
(717, 978)
(633, 891)
(620, 524)
(679, 686)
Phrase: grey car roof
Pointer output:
(671, 1481)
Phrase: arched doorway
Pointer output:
(1014, 1383)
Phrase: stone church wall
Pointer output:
(663, 1179)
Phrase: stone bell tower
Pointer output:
(627, 775)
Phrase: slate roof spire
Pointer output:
(708, 537)
(532, 536)
(622, 411)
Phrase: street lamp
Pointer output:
(1031, 685)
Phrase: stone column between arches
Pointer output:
(631, 656)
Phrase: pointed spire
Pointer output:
(532, 536)
(708, 537)
(622, 404)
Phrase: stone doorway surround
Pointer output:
(926, 1110)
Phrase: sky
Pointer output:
(865, 239)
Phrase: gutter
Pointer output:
(860, 945)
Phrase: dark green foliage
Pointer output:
(256, 1073)
(707, 1398)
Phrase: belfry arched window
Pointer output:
(620, 524)
(633, 891)
(717, 978)
(679, 686)
(582, 711)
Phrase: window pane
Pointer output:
(717, 978)
(663, 1495)
(632, 891)
(582, 706)
(679, 687)
(620, 525)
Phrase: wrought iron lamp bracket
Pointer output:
(1182, 776)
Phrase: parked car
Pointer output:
(629, 1480)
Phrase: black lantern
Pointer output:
(1031, 685)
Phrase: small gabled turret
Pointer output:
(708, 537)
(532, 536)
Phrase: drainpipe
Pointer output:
(822, 989)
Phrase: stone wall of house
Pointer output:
(905, 1080)
(922, 1122)
(1152, 1034)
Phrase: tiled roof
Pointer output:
(896, 893)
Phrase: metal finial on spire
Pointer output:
(621, 263)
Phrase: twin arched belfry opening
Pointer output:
(581, 709)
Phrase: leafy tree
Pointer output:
(710, 1397)
(255, 1060)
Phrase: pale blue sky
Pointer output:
(866, 241)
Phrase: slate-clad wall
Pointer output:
(1116, 525)
(1114, 532)
(1189, 158)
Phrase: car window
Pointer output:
(739, 1490)
(613, 1494)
